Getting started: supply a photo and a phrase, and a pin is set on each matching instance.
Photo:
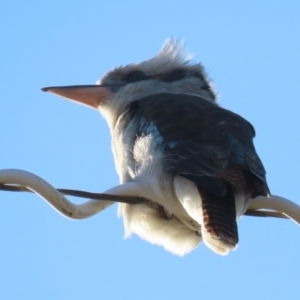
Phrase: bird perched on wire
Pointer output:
(174, 145)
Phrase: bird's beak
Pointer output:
(90, 95)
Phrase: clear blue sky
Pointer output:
(250, 49)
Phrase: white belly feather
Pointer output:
(175, 230)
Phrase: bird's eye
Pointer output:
(135, 76)
(175, 75)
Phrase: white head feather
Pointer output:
(171, 58)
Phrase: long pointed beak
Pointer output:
(90, 95)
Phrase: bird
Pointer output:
(191, 159)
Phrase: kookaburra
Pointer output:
(193, 160)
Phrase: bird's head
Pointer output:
(170, 71)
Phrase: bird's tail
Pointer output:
(219, 231)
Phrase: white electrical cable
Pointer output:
(279, 204)
(52, 196)
(82, 211)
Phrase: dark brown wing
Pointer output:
(202, 141)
